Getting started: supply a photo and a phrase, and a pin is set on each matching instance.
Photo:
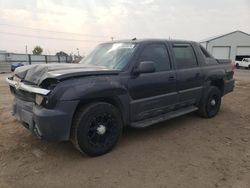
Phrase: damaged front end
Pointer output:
(39, 96)
(43, 116)
(27, 91)
(18, 84)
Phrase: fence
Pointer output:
(7, 59)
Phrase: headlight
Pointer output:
(39, 99)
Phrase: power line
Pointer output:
(52, 38)
(62, 32)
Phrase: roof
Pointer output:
(147, 40)
(220, 36)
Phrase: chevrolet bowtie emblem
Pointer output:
(17, 85)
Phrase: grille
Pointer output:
(23, 95)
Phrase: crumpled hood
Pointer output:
(37, 73)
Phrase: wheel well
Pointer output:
(112, 101)
(218, 83)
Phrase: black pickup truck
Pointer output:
(123, 83)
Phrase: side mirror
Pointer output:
(145, 67)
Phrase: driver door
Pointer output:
(153, 93)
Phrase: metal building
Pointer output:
(234, 45)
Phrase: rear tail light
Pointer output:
(233, 66)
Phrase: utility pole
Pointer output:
(78, 52)
(26, 52)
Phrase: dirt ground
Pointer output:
(185, 152)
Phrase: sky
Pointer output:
(72, 25)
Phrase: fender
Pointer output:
(95, 88)
(215, 74)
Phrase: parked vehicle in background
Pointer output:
(15, 65)
(245, 63)
(124, 83)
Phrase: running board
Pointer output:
(164, 117)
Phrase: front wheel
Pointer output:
(210, 103)
(96, 128)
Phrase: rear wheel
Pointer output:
(210, 103)
(96, 128)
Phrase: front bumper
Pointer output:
(50, 124)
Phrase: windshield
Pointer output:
(114, 56)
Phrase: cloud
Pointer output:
(147, 2)
(193, 19)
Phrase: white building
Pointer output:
(234, 45)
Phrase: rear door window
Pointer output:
(184, 56)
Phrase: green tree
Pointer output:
(37, 50)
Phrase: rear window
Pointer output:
(184, 56)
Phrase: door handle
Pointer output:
(171, 78)
(197, 75)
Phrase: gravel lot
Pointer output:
(185, 152)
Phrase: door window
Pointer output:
(184, 56)
(158, 54)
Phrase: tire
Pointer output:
(96, 128)
(210, 103)
(237, 65)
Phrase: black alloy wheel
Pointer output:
(96, 128)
